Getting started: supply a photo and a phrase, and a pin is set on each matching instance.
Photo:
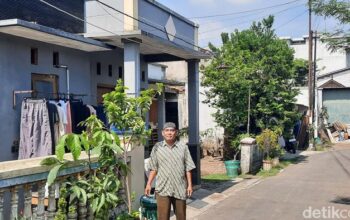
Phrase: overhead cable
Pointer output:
(242, 12)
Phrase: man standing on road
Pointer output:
(172, 163)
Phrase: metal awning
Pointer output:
(49, 35)
(154, 48)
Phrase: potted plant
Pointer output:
(233, 165)
(268, 143)
(276, 153)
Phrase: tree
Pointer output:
(253, 59)
(340, 10)
(301, 69)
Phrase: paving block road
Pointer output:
(317, 187)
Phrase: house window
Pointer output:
(120, 73)
(143, 76)
(34, 56)
(56, 59)
(110, 70)
(98, 68)
(45, 85)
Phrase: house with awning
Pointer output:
(81, 48)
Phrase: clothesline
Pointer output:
(70, 95)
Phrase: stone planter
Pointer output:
(267, 165)
(275, 161)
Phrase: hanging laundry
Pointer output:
(92, 109)
(54, 124)
(35, 134)
(80, 112)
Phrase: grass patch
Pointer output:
(277, 169)
(215, 178)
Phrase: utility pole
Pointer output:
(310, 65)
(315, 100)
(310, 81)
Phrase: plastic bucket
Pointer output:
(232, 168)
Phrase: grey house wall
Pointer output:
(15, 73)
(104, 17)
(116, 59)
(155, 15)
(16, 70)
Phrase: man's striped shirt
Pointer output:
(171, 164)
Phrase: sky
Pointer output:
(291, 19)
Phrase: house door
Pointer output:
(101, 90)
(172, 113)
(337, 102)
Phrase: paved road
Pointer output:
(319, 181)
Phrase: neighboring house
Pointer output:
(92, 56)
(334, 94)
(327, 61)
(333, 79)
(176, 72)
(167, 107)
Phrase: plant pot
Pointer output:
(275, 161)
(232, 167)
(267, 165)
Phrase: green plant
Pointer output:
(126, 216)
(207, 133)
(268, 142)
(183, 132)
(99, 186)
(62, 205)
(235, 144)
(252, 65)
(339, 38)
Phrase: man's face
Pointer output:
(169, 134)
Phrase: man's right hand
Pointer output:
(148, 189)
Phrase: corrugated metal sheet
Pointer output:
(337, 102)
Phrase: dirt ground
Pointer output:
(211, 165)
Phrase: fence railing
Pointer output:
(25, 195)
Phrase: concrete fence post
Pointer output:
(248, 146)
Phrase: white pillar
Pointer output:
(193, 117)
(132, 73)
(132, 69)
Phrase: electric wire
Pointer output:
(160, 29)
(108, 31)
(247, 21)
(242, 12)
(243, 16)
(132, 25)
(299, 15)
